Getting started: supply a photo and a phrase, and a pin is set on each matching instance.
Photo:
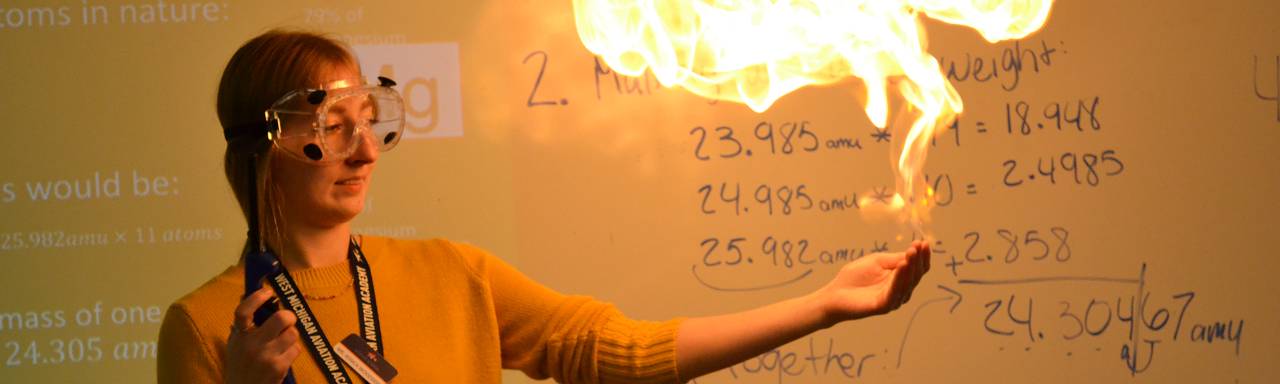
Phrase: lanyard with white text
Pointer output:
(309, 327)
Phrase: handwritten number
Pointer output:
(1088, 314)
(766, 134)
(1049, 172)
(735, 199)
(804, 245)
(1091, 163)
(804, 131)
(1125, 318)
(968, 252)
(994, 306)
(1189, 296)
(732, 246)
(702, 139)
(1160, 317)
(1011, 165)
(542, 69)
(787, 147)
(728, 136)
(1024, 321)
(1021, 109)
(770, 248)
(1066, 313)
(1084, 168)
(1008, 118)
(938, 188)
(955, 127)
(1093, 113)
(1110, 155)
(1010, 255)
(706, 258)
(800, 194)
(1056, 115)
(786, 252)
(1071, 165)
(705, 190)
(784, 195)
(1067, 116)
(1034, 235)
(1064, 251)
(764, 195)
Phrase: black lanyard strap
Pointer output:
(309, 327)
(366, 299)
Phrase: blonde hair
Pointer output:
(261, 71)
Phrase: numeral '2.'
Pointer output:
(542, 69)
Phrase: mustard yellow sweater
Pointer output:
(450, 313)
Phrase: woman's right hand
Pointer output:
(260, 354)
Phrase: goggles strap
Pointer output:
(246, 131)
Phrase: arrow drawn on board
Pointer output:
(951, 294)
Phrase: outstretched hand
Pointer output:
(872, 285)
(876, 284)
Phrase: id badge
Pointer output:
(367, 363)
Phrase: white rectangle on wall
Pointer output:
(429, 78)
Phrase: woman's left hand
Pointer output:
(875, 284)
(872, 285)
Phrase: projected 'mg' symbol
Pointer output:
(428, 78)
(421, 103)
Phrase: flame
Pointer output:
(756, 51)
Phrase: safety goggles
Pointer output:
(327, 124)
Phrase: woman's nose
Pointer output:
(366, 150)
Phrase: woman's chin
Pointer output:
(346, 209)
(352, 209)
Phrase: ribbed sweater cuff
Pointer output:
(631, 351)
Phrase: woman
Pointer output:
(450, 313)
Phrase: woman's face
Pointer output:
(325, 194)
